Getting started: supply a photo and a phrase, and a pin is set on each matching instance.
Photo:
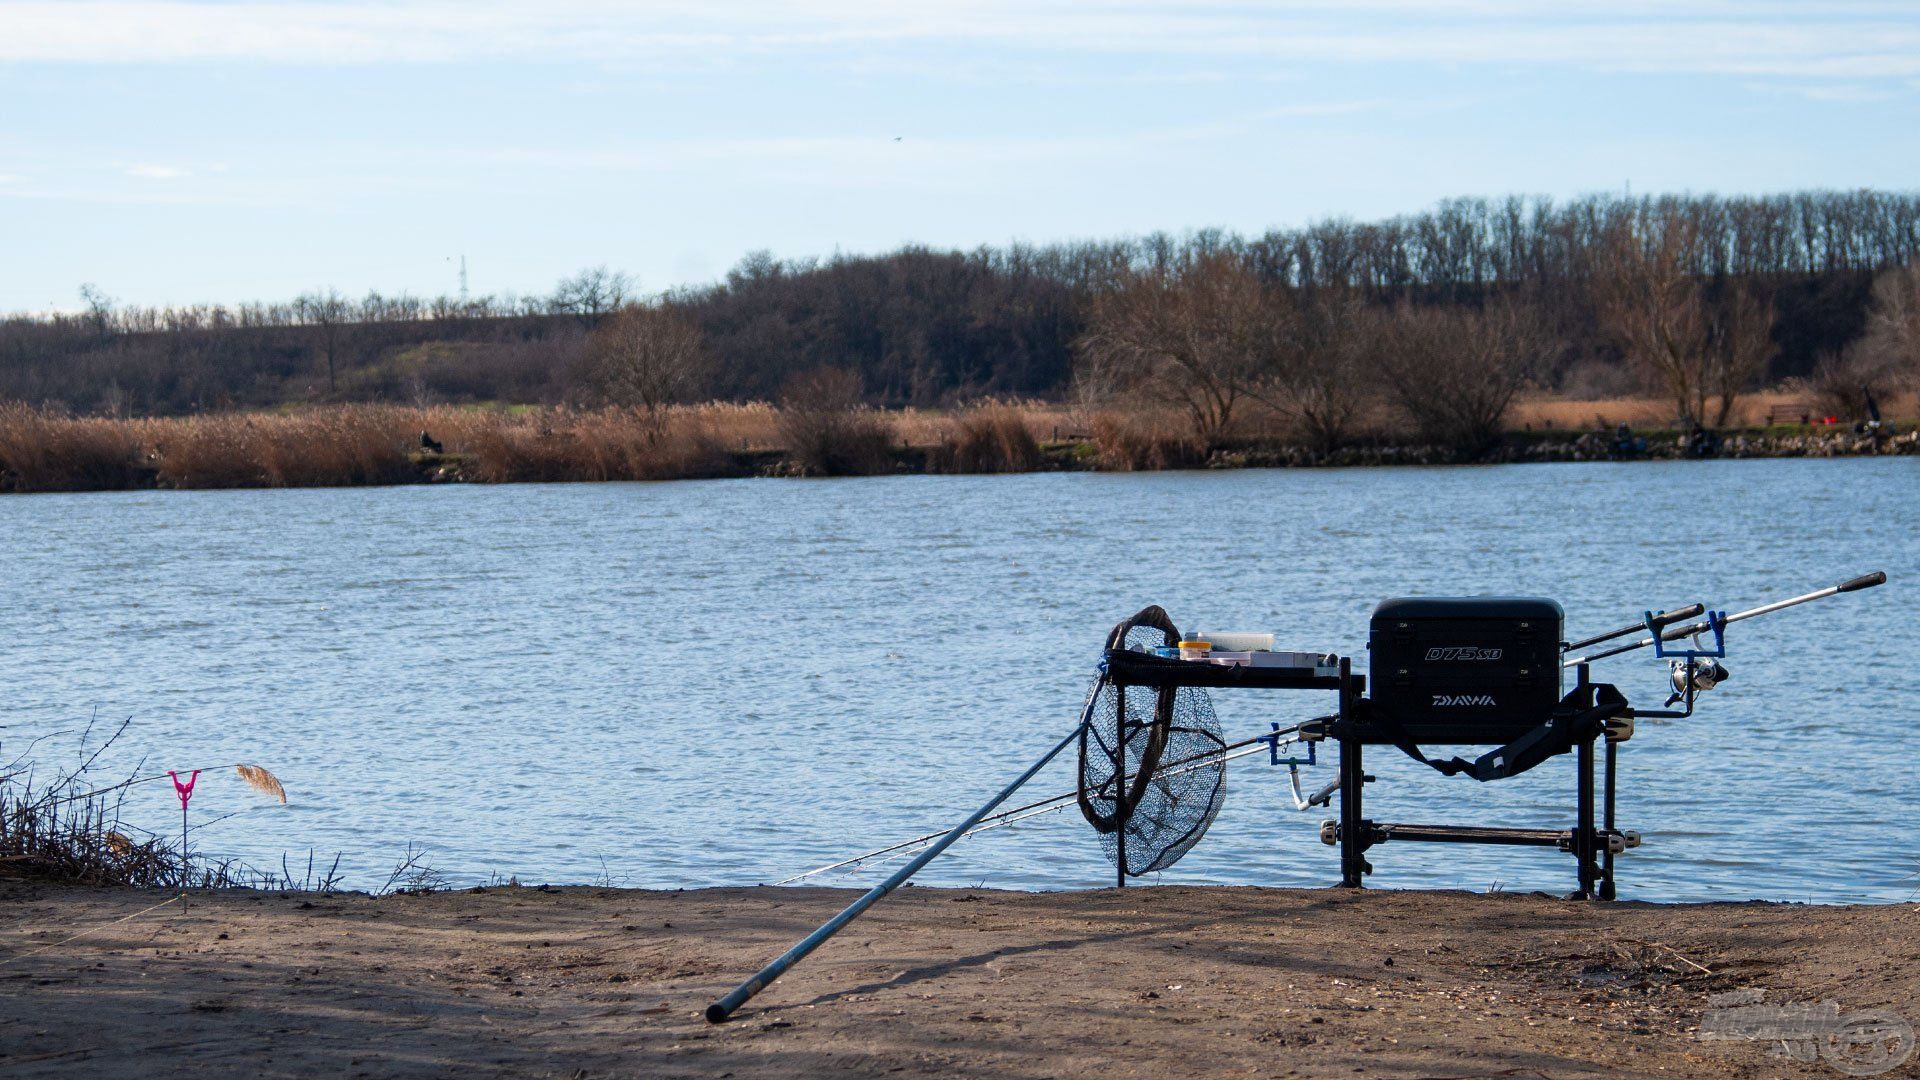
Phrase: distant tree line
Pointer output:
(1696, 297)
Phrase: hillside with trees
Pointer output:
(1447, 313)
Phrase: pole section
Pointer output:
(1865, 581)
(726, 1006)
(1223, 754)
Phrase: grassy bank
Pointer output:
(43, 450)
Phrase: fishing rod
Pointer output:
(720, 1010)
(1221, 756)
(1101, 691)
(1659, 625)
(1661, 619)
(991, 821)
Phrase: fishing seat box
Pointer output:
(1478, 670)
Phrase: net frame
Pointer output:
(1106, 744)
(1148, 823)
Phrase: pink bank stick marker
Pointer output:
(185, 791)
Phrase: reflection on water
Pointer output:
(726, 681)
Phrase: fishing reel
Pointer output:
(1694, 669)
(1694, 675)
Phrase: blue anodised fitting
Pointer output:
(1716, 624)
(1273, 750)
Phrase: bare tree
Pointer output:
(1892, 340)
(1739, 344)
(328, 312)
(1197, 335)
(1647, 296)
(1702, 346)
(1884, 359)
(99, 309)
(645, 357)
(592, 293)
(1319, 377)
(1455, 371)
(927, 326)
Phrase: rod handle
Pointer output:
(1864, 581)
(1668, 618)
(1660, 621)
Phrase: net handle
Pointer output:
(1128, 796)
(1153, 615)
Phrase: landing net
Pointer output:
(1152, 774)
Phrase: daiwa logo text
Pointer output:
(1457, 700)
(1463, 653)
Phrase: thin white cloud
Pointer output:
(881, 153)
(8, 178)
(1845, 93)
(130, 197)
(1780, 39)
(836, 160)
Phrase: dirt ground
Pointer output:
(932, 982)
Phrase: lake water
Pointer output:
(725, 682)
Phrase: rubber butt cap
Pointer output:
(1866, 581)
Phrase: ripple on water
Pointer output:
(726, 682)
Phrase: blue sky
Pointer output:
(220, 151)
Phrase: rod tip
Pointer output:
(718, 1013)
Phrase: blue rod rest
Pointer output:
(1716, 623)
(1273, 750)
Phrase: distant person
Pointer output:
(430, 445)
(1626, 445)
(1702, 443)
(1872, 425)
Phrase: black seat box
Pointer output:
(1464, 669)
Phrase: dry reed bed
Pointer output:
(350, 445)
(43, 450)
(372, 444)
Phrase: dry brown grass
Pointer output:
(1560, 414)
(329, 447)
(992, 437)
(826, 429)
(1046, 421)
(1132, 441)
(259, 779)
(592, 446)
(43, 450)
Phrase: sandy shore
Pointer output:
(1140, 982)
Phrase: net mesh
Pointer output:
(1151, 780)
(1182, 793)
(1143, 638)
